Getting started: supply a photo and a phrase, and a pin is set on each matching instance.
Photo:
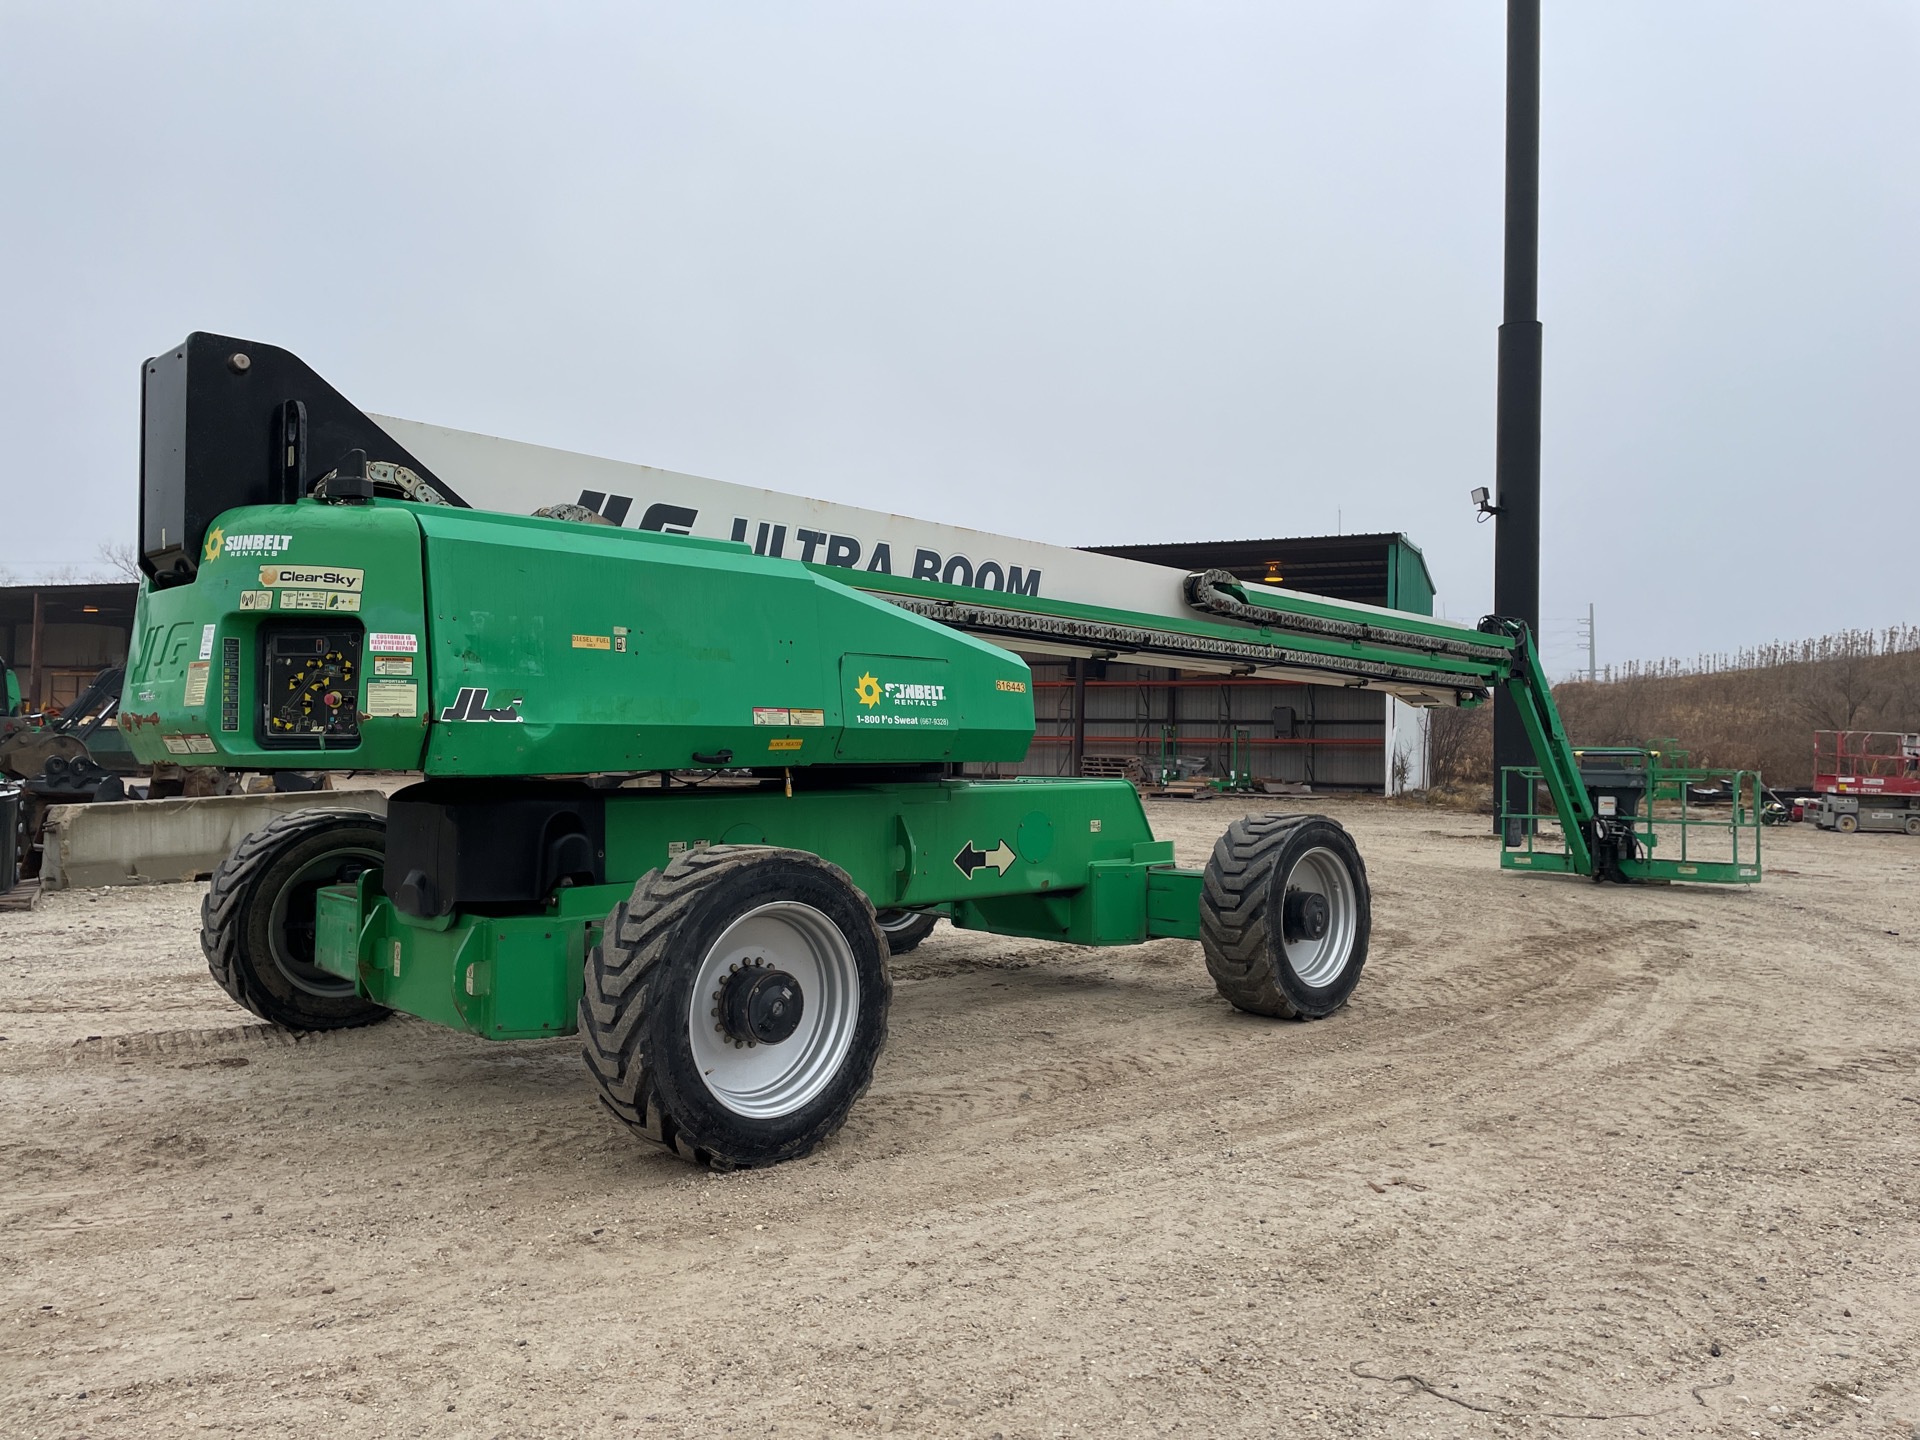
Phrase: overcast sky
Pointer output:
(1084, 273)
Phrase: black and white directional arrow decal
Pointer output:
(970, 859)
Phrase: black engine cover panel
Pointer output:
(453, 846)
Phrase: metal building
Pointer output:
(56, 638)
(1325, 736)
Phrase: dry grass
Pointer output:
(1758, 717)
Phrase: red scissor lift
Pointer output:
(1868, 780)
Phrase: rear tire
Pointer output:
(1285, 915)
(905, 929)
(725, 944)
(1846, 824)
(257, 921)
(1913, 824)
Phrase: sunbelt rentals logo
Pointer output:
(220, 543)
(870, 690)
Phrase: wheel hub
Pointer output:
(1307, 915)
(760, 1005)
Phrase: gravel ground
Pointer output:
(1584, 1160)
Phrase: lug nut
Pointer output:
(239, 362)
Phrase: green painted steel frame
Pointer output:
(1534, 851)
(1065, 860)
(1333, 650)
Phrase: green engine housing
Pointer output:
(391, 635)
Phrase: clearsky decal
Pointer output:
(314, 577)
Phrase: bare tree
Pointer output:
(1840, 692)
(119, 558)
(1460, 746)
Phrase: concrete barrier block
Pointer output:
(152, 842)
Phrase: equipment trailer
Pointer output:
(317, 598)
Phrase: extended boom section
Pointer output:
(684, 796)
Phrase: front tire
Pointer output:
(257, 921)
(1847, 824)
(1285, 915)
(736, 1004)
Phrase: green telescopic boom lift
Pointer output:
(685, 799)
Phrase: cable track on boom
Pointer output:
(1060, 629)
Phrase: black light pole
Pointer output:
(1516, 538)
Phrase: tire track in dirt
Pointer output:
(1081, 1191)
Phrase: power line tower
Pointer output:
(1586, 634)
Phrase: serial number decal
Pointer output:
(313, 577)
(1011, 687)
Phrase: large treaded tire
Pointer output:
(639, 984)
(1242, 915)
(905, 929)
(261, 954)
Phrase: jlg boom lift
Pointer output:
(318, 595)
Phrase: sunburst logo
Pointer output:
(868, 690)
(214, 537)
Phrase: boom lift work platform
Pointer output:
(325, 590)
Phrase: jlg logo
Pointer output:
(471, 704)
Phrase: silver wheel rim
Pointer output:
(336, 867)
(764, 1082)
(892, 921)
(1319, 962)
